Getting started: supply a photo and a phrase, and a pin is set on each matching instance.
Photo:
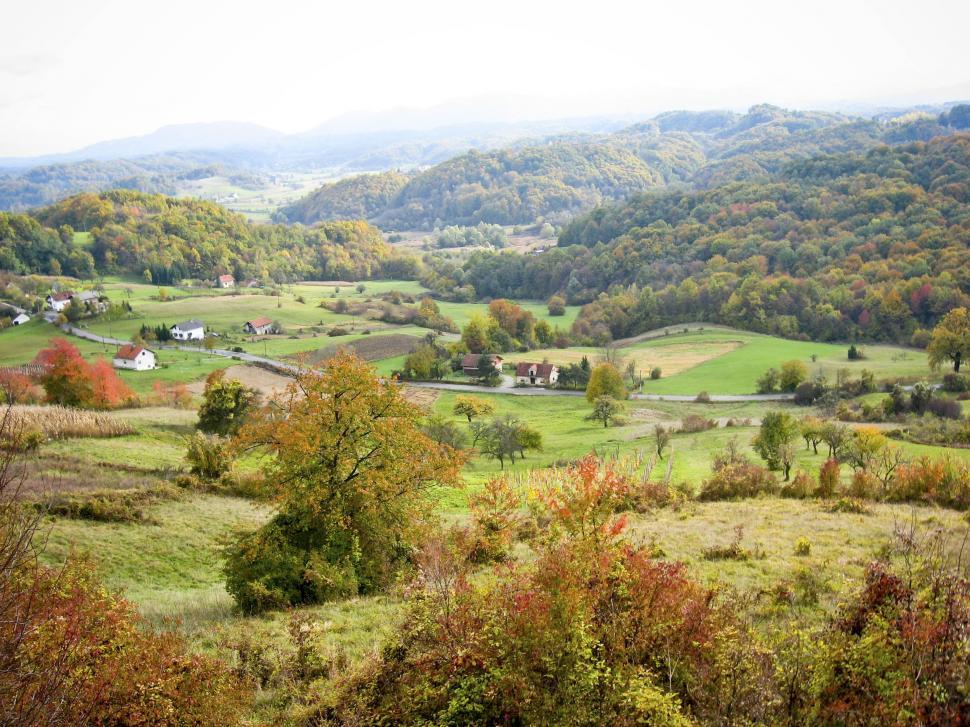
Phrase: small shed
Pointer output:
(469, 362)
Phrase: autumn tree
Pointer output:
(778, 429)
(557, 305)
(67, 376)
(226, 402)
(792, 374)
(661, 438)
(471, 407)
(606, 409)
(69, 380)
(349, 469)
(951, 339)
(605, 380)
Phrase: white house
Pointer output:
(59, 301)
(134, 357)
(21, 319)
(192, 330)
(259, 326)
(225, 281)
(536, 374)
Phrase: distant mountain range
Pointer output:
(400, 139)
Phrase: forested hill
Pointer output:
(167, 240)
(839, 246)
(556, 179)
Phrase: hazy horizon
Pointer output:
(79, 73)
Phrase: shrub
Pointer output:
(944, 481)
(956, 383)
(864, 485)
(855, 354)
(655, 373)
(808, 392)
(695, 423)
(850, 505)
(89, 659)
(338, 330)
(792, 374)
(119, 506)
(703, 398)
(209, 456)
(731, 551)
(562, 639)
(897, 647)
(829, 478)
(740, 479)
(800, 487)
(495, 521)
(945, 408)
(803, 546)
(768, 382)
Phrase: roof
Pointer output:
(225, 278)
(130, 351)
(88, 295)
(470, 360)
(22, 315)
(67, 295)
(189, 324)
(260, 322)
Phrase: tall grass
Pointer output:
(61, 422)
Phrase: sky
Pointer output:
(74, 72)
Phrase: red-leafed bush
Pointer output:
(943, 481)
(69, 380)
(593, 631)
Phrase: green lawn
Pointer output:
(737, 371)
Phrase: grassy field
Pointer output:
(737, 371)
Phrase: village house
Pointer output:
(21, 319)
(469, 363)
(191, 330)
(536, 374)
(59, 301)
(91, 300)
(134, 357)
(225, 281)
(259, 326)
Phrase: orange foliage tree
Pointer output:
(69, 380)
(349, 474)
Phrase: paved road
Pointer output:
(507, 386)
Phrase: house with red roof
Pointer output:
(259, 326)
(536, 374)
(225, 281)
(136, 358)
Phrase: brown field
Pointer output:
(424, 398)
(50, 472)
(373, 348)
(671, 359)
(265, 382)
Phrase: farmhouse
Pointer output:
(537, 374)
(91, 300)
(225, 281)
(59, 301)
(134, 357)
(469, 363)
(21, 319)
(191, 330)
(259, 326)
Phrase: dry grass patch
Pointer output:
(61, 422)
(425, 398)
(267, 383)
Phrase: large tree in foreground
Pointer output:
(349, 469)
(951, 339)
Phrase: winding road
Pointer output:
(506, 387)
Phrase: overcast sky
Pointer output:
(73, 72)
